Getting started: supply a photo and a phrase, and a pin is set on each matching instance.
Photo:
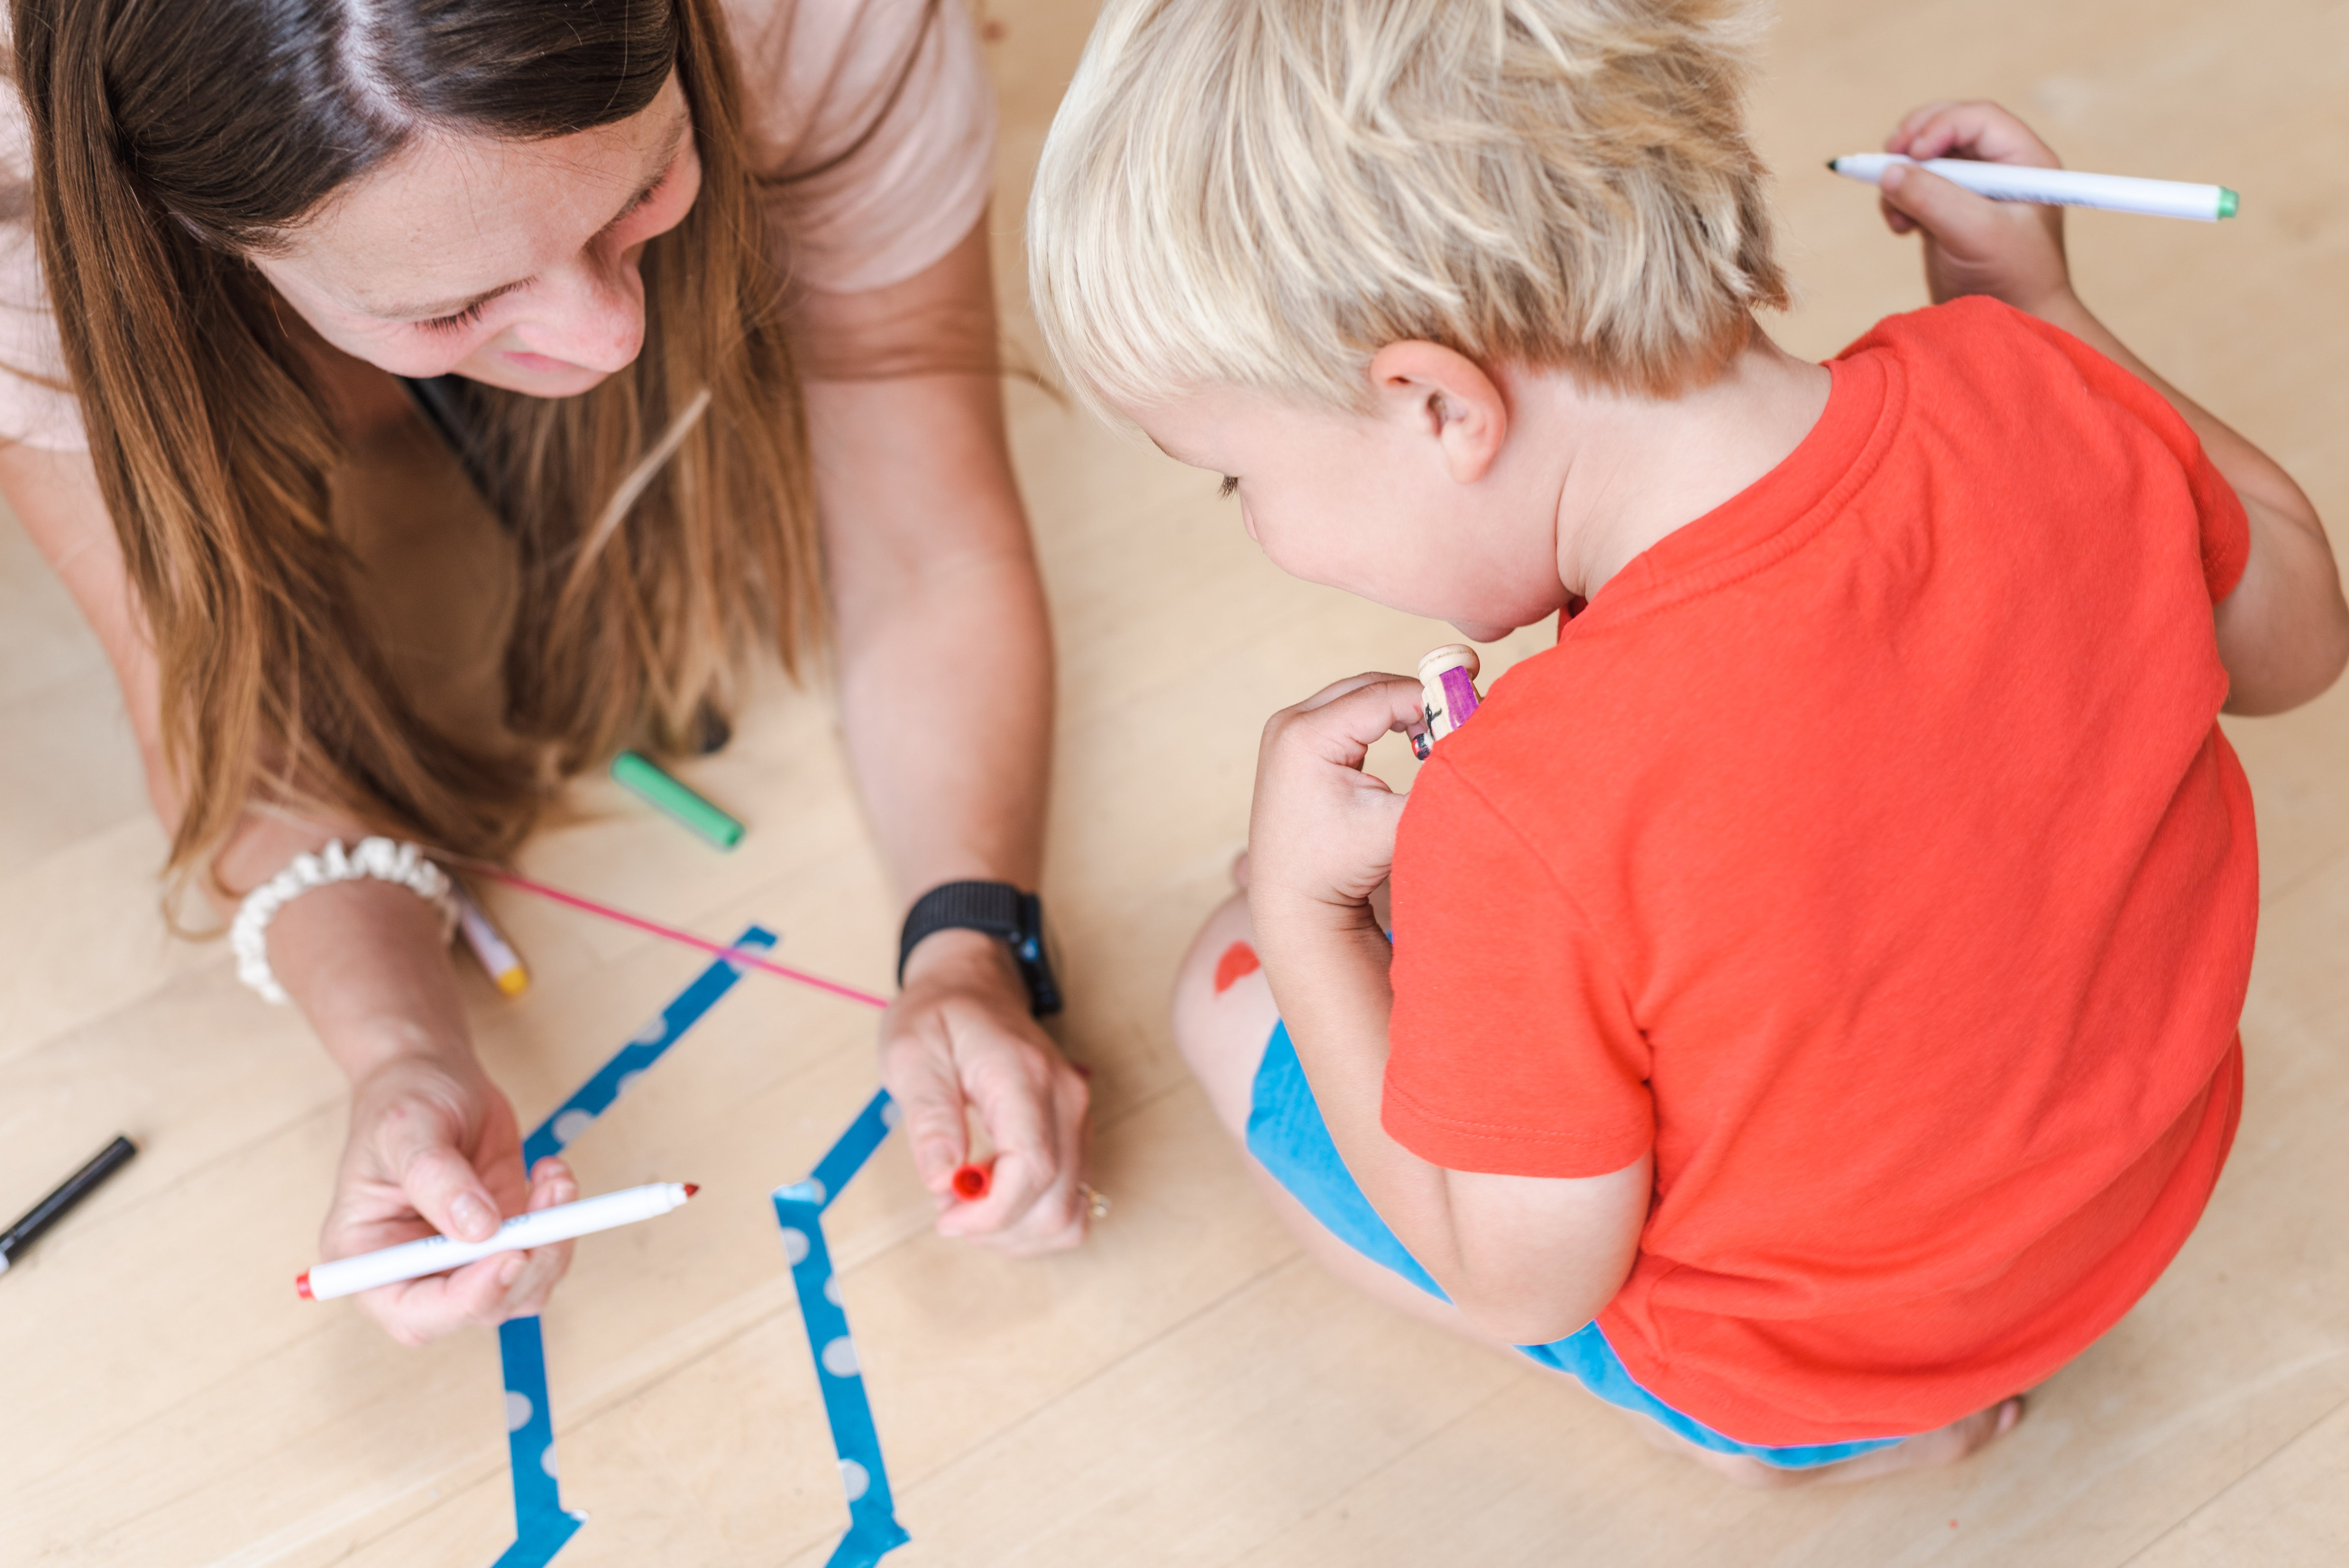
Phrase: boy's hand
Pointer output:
(2010, 250)
(1321, 830)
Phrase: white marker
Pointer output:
(497, 956)
(2056, 187)
(436, 1254)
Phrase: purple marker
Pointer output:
(1447, 693)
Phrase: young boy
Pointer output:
(1810, 1018)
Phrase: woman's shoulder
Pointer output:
(874, 126)
(36, 406)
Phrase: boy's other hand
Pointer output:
(2010, 250)
(1321, 830)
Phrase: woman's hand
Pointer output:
(2010, 250)
(1321, 830)
(433, 1146)
(434, 1150)
(958, 1042)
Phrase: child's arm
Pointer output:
(1527, 1258)
(2283, 633)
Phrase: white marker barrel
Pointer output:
(498, 958)
(2057, 187)
(437, 1254)
(1447, 688)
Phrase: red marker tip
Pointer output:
(302, 1285)
(971, 1181)
(691, 1188)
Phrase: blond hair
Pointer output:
(1265, 194)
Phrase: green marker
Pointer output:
(643, 778)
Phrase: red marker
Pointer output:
(971, 1182)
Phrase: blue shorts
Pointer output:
(1286, 1135)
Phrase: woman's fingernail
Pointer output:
(510, 1270)
(473, 1218)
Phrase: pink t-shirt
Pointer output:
(816, 75)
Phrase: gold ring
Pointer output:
(1096, 1203)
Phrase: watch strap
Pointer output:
(1000, 911)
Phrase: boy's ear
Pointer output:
(1441, 392)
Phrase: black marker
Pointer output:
(71, 1190)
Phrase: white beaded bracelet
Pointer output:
(380, 859)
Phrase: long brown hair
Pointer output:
(663, 520)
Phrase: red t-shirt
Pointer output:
(1868, 850)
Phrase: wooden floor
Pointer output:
(1186, 1389)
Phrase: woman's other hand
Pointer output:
(958, 1045)
(434, 1150)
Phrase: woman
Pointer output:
(698, 292)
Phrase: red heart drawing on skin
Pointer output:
(1239, 959)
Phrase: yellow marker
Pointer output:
(498, 958)
(1447, 693)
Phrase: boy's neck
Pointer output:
(1636, 470)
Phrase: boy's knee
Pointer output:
(1223, 1012)
(1221, 955)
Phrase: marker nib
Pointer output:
(302, 1285)
(691, 1188)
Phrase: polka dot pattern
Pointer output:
(517, 1409)
(840, 1357)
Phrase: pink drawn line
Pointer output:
(737, 956)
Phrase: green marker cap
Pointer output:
(2227, 200)
(643, 778)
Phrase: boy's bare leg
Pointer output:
(1223, 1034)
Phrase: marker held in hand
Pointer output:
(539, 1228)
(1447, 687)
(2054, 187)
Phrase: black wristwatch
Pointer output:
(999, 910)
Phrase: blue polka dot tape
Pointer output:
(873, 1527)
(542, 1525)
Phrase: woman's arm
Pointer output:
(2283, 633)
(432, 1143)
(946, 688)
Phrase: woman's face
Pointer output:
(512, 263)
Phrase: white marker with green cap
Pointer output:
(2056, 187)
